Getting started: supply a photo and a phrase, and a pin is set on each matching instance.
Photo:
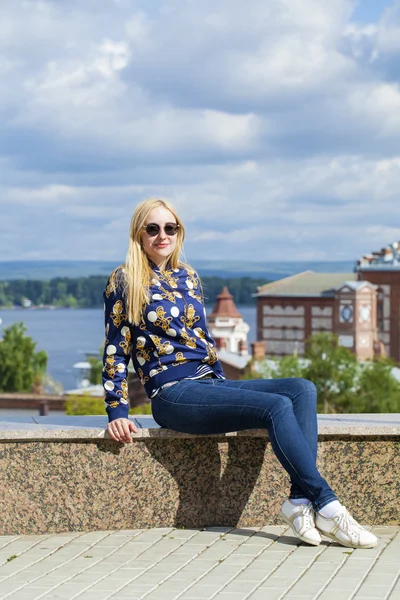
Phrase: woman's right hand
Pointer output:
(120, 430)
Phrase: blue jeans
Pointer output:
(285, 407)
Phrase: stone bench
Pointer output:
(60, 473)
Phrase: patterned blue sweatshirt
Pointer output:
(170, 343)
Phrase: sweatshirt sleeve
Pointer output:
(117, 349)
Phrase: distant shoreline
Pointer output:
(30, 308)
(271, 270)
(50, 307)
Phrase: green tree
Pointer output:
(377, 390)
(70, 301)
(21, 367)
(5, 300)
(287, 366)
(96, 369)
(253, 370)
(343, 384)
(334, 371)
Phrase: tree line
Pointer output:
(87, 292)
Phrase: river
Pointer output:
(68, 334)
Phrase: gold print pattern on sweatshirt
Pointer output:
(200, 334)
(143, 378)
(110, 289)
(212, 356)
(117, 313)
(168, 277)
(143, 353)
(193, 294)
(157, 370)
(190, 317)
(192, 279)
(123, 391)
(190, 342)
(167, 295)
(162, 348)
(161, 320)
(126, 344)
(179, 359)
(109, 366)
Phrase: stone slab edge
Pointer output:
(81, 434)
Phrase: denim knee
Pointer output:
(283, 403)
(305, 386)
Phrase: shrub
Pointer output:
(141, 409)
(84, 405)
(90, 405)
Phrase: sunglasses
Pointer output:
(153, 229)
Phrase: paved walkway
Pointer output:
(220, 563)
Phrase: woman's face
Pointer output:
(159, 247)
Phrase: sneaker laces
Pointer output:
(348, 523)
(308, 513)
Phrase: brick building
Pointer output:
(362, 308)
(383, 270)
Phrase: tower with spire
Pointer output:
(226, 325)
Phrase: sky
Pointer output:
(273, 127)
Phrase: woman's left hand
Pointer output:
(120, 430)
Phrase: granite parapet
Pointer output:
(61, 474)
(63, 427)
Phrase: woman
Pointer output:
(154, 313)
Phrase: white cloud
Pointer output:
(43, 196)
(274, 126)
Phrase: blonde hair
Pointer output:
(135, 275)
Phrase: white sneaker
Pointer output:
(345, 530)
(300, 517)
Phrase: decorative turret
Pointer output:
(224, 306)
(226, 324)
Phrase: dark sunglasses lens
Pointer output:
(171, 228)
(152, 229)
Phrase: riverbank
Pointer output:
(39, 307)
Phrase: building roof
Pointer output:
(83, 364)
(306, 284)
(224, 306)
(357, 285)
(387, 258)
